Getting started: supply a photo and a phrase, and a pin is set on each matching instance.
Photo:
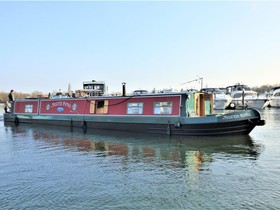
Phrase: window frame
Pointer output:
(163, 108)
(28, 108)
(135, 108)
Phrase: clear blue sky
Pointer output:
(44, 46)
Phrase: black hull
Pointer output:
(240, 127)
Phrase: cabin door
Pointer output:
(205, 104)
(201, 105)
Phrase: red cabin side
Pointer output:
(26, 107)
(120, 106)
(99, 105)
(63, 106)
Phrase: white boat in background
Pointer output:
(221, 99)
(273, 99)
(243, 96)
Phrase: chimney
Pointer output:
(123, 89)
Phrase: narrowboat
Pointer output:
(175, 113)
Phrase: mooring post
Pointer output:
(71, 125)
(168, 129)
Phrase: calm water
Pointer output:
(52, 168)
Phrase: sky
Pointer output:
(47, 45)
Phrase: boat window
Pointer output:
(277, 94)
(28, 108)
(102, 107)
(140, 92)
(251, 94)
(237, 95)
(135, 108)
(163, 108)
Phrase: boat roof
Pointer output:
(211, 90)
(275, 88)
(88, 90)
(239, 87)
(108, 96)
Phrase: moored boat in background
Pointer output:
(273, 99)
(244, 96)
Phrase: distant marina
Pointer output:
(237, 96)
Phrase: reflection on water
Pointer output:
(193, 153)
(54, 168)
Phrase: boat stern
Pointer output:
(9, 118)
(260, 122)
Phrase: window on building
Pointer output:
(163, 108)
(28, 108)
(135, 108)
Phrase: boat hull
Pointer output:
(251, 103)
(236, 123)
(274, 103)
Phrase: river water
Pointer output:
(54, 168)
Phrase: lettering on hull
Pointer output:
(237, 116)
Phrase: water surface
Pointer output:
(54, 168)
